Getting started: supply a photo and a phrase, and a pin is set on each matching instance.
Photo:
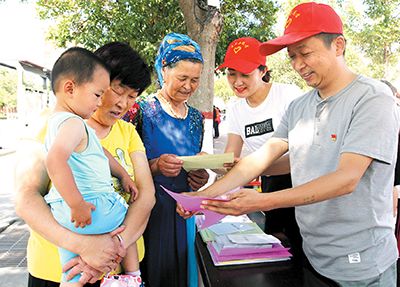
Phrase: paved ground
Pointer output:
(13, 240)
(13, 232)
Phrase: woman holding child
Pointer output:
(129, 77)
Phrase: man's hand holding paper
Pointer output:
(192, 204)
(242, 202)
(185, 213)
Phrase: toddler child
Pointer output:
(82, 197)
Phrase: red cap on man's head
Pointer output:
(305, 20)
(243, 55)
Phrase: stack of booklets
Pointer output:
(238, 240)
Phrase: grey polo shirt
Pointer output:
(350, 237)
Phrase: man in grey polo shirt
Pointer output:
(342, 141)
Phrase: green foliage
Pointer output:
(222, 89)
(8, 88)
(356, 61)
(373, 36)
(253, 18)
(377, 32)
(282, 71)
(143, 24)
(94, 23)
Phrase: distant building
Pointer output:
(33, 89)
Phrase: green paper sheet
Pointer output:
(206, 161)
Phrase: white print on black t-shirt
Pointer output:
(260, 128)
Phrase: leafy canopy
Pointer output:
(377, 32)
(143, 24)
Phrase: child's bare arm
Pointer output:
(70, 136)
(119, 172)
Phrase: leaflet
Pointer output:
(192, 203)
(230, 227)
(253, 239)
(206, 161)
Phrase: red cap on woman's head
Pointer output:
(243, 55)
(305, 20)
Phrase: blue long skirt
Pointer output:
(170, 258)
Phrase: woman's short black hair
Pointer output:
(126, 65)
(267, 77)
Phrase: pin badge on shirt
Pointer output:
(354, 258)
(333, 137)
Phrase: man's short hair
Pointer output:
(125, 65)
(77, 63)
(328, 38)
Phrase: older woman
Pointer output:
(129, 77)
(120, 138)
(170, 128)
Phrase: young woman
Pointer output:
(253, 118)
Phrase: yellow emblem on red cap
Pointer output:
(238, 46)
(289, 21)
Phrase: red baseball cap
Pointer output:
(243, 55)
(305, 20)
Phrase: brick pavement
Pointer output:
(13, 232)
(13, 240)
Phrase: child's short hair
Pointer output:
(125, 65)
(78, 63)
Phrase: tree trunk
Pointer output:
(386, 63)
(204, 25)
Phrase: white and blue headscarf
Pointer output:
(174, 48)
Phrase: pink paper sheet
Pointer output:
(192, 203)
(275, 249)
(272, 254)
